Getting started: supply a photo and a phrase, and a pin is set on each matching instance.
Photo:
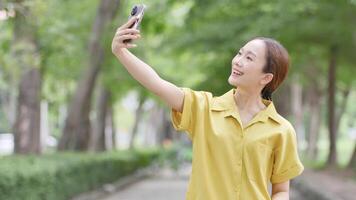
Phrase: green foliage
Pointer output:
(63, 32)
(345, 149)
(190, 43)
(174, 155)
(307, 28)
(61, 176)
(198, 38)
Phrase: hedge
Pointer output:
(62, 175)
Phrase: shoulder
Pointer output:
(197, 93)
(285, 125)
(197, 98)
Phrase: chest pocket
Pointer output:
(258, 158)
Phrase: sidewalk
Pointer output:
(163, 185)
(326, 185)
(160, 184)
(152, 183)
(166, 185)
(153, 189)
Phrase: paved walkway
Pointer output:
(153, 189)
(327, 185)
(163, 186)
(161, 189)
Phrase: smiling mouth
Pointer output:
(237, 73)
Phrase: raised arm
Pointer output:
(142, 72)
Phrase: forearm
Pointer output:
(139, 70)
(280, 196)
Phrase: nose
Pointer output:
(237, 61)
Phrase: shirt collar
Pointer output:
(227, 104)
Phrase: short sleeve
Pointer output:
(194, 107)
(287, 164)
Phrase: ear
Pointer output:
(267, 77)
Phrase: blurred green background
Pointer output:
(61, 88)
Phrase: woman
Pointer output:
(240, 142)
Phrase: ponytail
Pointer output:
(266, 94)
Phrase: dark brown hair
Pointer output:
(277, 63)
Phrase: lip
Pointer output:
(238, 71)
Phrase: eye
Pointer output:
(249, 58)
(239, 53)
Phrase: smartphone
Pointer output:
(138, 11)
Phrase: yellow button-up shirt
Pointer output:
(232, 162)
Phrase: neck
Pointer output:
(248, 101)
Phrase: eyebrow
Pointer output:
(249, 52)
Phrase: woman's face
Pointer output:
(247, 65)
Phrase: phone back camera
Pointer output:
(134, 11)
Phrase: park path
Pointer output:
(165, 185)
(153, 189)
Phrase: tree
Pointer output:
(77, 125)
(103, 122)
(25, 50)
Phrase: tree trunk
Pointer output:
(166, 133)
(98, 135)
(314, 95)
(138, 117)
(156, 134)
(77, 125)
(282, 99)
(352, 162)
(315, 121)
(297, 109)
(345, 97)
(25, 50)
(27, 125)
(110, 127)
(332, 157)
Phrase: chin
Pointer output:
(232, 81)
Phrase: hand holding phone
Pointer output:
(128, 31)
(137, 11)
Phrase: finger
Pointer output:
(127, 31)
(125, 37)
(129, 45)
(129, 23)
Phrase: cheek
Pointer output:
(256, 67)
(261, 64)
(253, 73)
